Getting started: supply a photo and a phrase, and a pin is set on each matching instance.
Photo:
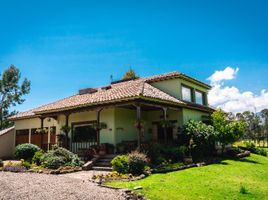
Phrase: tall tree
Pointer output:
(264, 114)
(11, 93)
(130, 74)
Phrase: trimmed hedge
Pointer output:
(26, 151)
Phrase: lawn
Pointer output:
(216, 181)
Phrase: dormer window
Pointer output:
(199, 99)
(186, 93)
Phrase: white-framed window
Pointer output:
(186, 93)
(199, 98)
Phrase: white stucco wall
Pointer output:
(7, 144)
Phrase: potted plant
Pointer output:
(139, 124)
(99, 126)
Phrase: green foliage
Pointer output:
(130, 74)
(26, 164)
(227, 131)
(41, 131)
(201, 138)
(243, 190)
(11, 92)
(1, 163)
(159, 153)
(65, 129)
(52, 162)
(36, 158)
(60, 157)
(26, 151)
(120, 164)
(137, 162)
(253, 149)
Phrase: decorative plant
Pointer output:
(99, 126)
(65, 129)
(41, 131)
(139, 124)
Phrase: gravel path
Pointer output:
(34, 186)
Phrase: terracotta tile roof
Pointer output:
(137, 88)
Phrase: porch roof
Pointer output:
(118, 92)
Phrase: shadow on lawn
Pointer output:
(223, 160)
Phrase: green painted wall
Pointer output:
(173, 87)
(189, 114)
(124, 125)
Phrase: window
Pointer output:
(186, 94)
(84, 132)
(199, 97)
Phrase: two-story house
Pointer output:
(145, 109)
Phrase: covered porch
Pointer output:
(116, 128)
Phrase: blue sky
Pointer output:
(62, 46)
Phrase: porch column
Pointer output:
(42, 126)
(138, 109)
(165, 126)
(98, 124)
(66, 133)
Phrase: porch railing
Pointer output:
(78, 146)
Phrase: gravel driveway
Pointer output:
(41, 186)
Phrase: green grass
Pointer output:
(244, 179)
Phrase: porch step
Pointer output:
(104, 163)
(102, 168)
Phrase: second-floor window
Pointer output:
(186, 94)
(199, 97)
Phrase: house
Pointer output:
(134, 111)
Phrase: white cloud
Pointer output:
(227, 74)
(230, 98)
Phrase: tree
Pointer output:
(11, 93)
(264, 114)
(130, 74)
(228, 131)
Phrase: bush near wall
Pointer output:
(26, 151)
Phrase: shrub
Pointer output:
(60, 157)
(53, 162)
(253, 149)
(201, 137)
(26, 151)
(137, 162)
(158, 153)
(26, 164)
(36, 158)
(1, 163)
(120, 164)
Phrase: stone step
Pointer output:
(102, 164)
(111, 156)
(102, 168)
(106, 159)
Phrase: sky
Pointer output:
(63, 46)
